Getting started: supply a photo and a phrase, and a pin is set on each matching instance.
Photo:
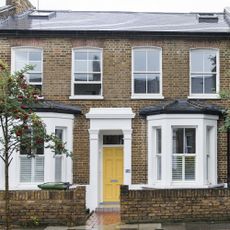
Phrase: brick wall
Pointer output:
(117, 86)
(46, 207)
(174, 205)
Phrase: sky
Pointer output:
(133, 5)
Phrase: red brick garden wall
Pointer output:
(139, 206)
(31, 208)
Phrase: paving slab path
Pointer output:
(111, 221)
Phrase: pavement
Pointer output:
(111, 221)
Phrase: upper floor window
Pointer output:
(204, 72)
(29, 56)
(147, 72)
(87, 72)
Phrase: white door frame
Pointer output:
(107, 119)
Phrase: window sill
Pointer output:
(208, 96)
(146, 97)
(186, 185)
(94, 97)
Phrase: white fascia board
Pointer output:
(55, 115)
(113, 113)
(182, 116)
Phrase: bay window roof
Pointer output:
(55, 107)
(182, 107)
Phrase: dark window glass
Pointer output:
(139, 83)
(87, 89)
(35, 77)
(113, 139)
(203, 71)
(178, 143)
(197, 84)
(210, 84)
(153, 83)
(28, 139)
(190, 140)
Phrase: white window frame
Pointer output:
(62, 156)
(33, 161)
(167, 122)
(156, 154)
(73, 82)
(184, 155)
(28, 49)
(205, 95)
(147, 95)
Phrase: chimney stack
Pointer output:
(20, 6)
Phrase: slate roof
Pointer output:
(181, 107)
(116, 21)
(55, 107)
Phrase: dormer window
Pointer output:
(207, 18)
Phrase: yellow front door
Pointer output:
(112, 173)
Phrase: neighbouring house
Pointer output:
(136, 98)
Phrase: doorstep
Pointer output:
(154, 226)
(108, 207)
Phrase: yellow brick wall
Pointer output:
(117, 86)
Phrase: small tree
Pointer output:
(20, 127)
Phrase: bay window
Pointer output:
(31, 167)
(182, 149)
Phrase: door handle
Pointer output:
(114, 181)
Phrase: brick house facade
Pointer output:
(112, 118)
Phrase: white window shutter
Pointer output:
(25, 169)
(190, 168)
(58, 168)
(177, 168)
(39, 169)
